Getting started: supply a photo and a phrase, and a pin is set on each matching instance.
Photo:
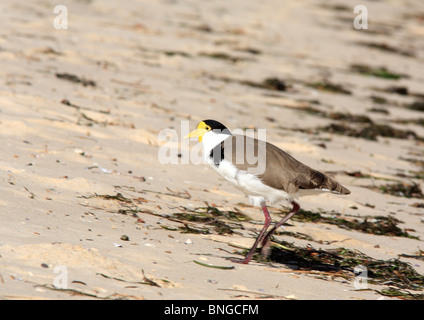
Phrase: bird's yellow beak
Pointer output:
(202, 128)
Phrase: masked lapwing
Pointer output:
(273, 177)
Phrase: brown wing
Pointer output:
(282, 171)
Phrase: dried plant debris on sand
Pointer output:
(360, 125)
(402, 189)
(416, 105)
(337, 115)
(268, 83)
(371, 131)
(222, 222)
(379, 72)
(224, 56)
(328, 87)
(76, 79)
(201, 220)
(379, 225)
(271, 83)
(387, 48)
(400, 277)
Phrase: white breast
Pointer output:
(250, 184)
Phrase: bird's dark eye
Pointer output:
(208, 128)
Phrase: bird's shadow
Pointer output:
(303, 258)
(295, 258)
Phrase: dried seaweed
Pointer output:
(341, 262)
(401, 90)
(172, 53)
(76, 79)
(179, 194)
(379, 99)
(417, 162)
(379, 110)
(297, 235)
(118, 196)
(250, 50)
(268, 83)
(338, 116)
(145, 281)
(387, 48)
(370, 131)
(416, 105)
(378, 225)
(224, 56)
(380, 72)
(73, 292)
(401, 294)
(358, 174)
(341, 116)
(329, 87)
(419, 255)
(221, 221)
(213, 266)
(272, 83)
(336, 7)
(403, 190)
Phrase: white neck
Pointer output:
(211, 140)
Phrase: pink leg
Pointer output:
(295, 209)
(260, 237)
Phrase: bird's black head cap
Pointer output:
(216, 126)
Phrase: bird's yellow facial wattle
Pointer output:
(202, 128)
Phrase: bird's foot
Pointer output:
(238, 260)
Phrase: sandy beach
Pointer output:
(88, 210)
